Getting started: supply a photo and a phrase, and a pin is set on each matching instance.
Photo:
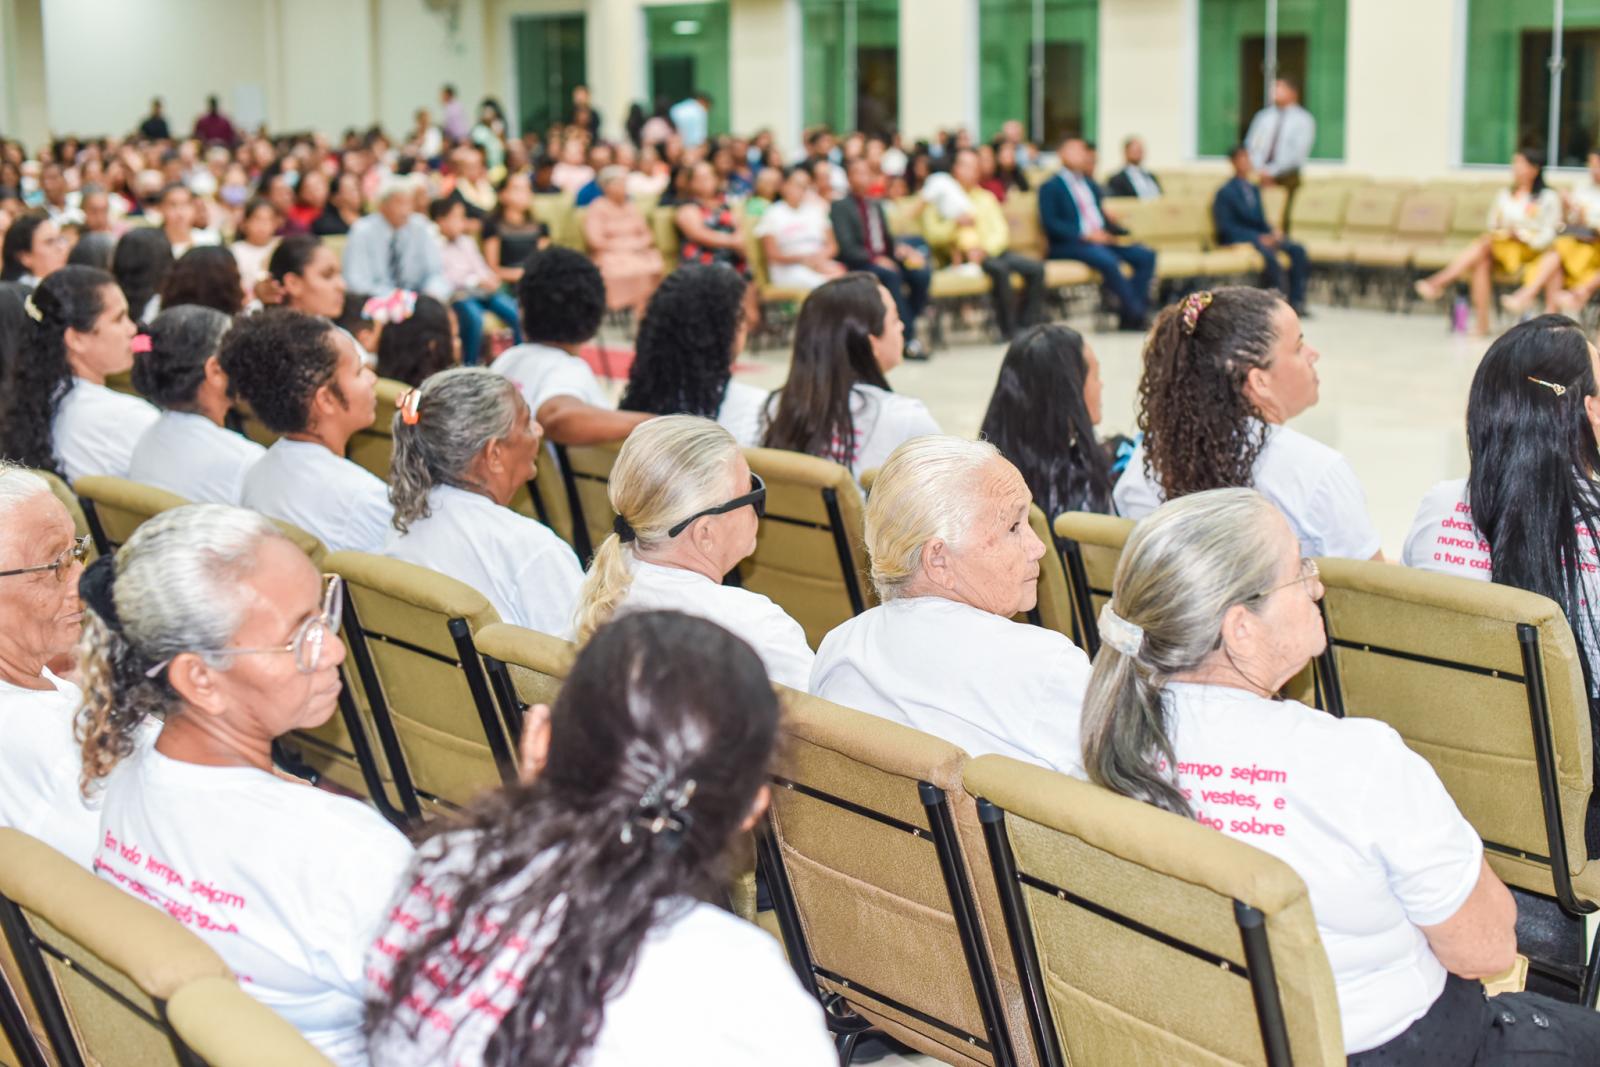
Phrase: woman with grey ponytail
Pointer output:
(464, 443)
(1212, 611)
(213, 623)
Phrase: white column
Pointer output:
(615, 59)
(1415, 44)
(1147, 85)
(938, 66)
(764, 68)
(23, 100)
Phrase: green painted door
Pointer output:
(550, 64)
(689, 51)
(851, 63)
(1069, 76)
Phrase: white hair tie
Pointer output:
(1124, 636)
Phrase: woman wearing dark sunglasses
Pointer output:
(212, 622)
(688, 508)
(40, 561)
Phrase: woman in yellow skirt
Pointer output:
(1580, 244)
(1523, 224)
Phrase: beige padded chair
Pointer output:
(115, 507)
(226, 1027)
(1054, 609)
(1146, 938)
(373, 447)
(586, 477)
(525, 668)
(545, 498)
(410, 635)
(1484, 682)
(810, 556)
(1090, 546)
(100, 964)
(873, 898)
(69, 500)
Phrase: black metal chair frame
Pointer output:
(30, 952)
(846, 1025)
(1585, 978)
(580, 523)
(1084, 621)
(841, 545)
(1257, 969)
(496, 729)
(102, 544)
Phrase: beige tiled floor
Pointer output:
(1394, 394)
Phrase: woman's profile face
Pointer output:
(106, 348)
(1287, 630)
(1093, 387)
(1522, 171)
(1288, 384)
(319, 289)
(888, 347)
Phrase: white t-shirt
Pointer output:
(740, 413)
(1309, 482)
(749, 616)
(529, 574)
(763, 1015)
(543, 373)
(1362, 819)
(974, 678)
(288, 883)
(883, 422)
(96, 429)
(1445, 538)
(192, 456)
(40, 764)
(801, 231)
(341, 503)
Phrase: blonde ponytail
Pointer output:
(668, 469)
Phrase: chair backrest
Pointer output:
(69, 500)
(664, 225)
(373, 447)
(810, 555)
(1022, 216)
(1090, 547)
(1274, 203)
(545, 498)
(308, 543)
(115, 507)
(872, 894)
(1484, 682)
(1371, 212)
(1054, 608)
(1145, 937)
(586, 476)
(1319, 210)
(226, 1027)
(1425, 216)
(1175, 223)
(99, 963)
(525, 667)
(410, 634)
(1472, 211)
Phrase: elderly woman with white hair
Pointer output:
(953, 559)
(688, 508)
(464, 443)
(395, 248)
(209, 620)
(40, 560)
(621, 244)
(1213, 609)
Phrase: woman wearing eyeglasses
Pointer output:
(209, 620)
(1212, 611)
(40, 561)
(688, 508)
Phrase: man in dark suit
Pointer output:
(1077, 228)
(1237, 214)
(865, 243)
(1133, 179)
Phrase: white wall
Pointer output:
(418, 51)
(323, 79)
(1404, 122)
(938, 66)
(1153, 96)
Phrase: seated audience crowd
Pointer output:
(564, 917)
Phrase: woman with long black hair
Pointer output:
(692, 332)
(141, 262)
(1528, 513)
(837, 404)
(1042, 417)
(560, 921)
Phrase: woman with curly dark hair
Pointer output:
(190, 450)
(693, 330)
(559, 921)
(60, 416)
(206, 275)
(141, 261)
(304, 378)
(422, 344)
(1223, 371)
(1042, 417)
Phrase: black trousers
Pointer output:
(1465, 1028)
(1031, 304)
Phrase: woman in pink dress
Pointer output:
(621, 244)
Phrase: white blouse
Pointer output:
(40, 765)
(342, 504)
(740, 413)
(883, 421)
(96, 429)
(190, 455)
(529, 574)
(1533, 220)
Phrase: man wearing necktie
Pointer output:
(1077, 228)
(1280, 140)
(1239, 219)
(395, 248)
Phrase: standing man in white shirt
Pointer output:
(1280, 140)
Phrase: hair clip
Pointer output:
(393, 307)
(1124, 636)
(409, 404)
(141, 343)
(1193, 304)
(624, 532)
(32, 309)
(1559, 390)
(661, 811)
